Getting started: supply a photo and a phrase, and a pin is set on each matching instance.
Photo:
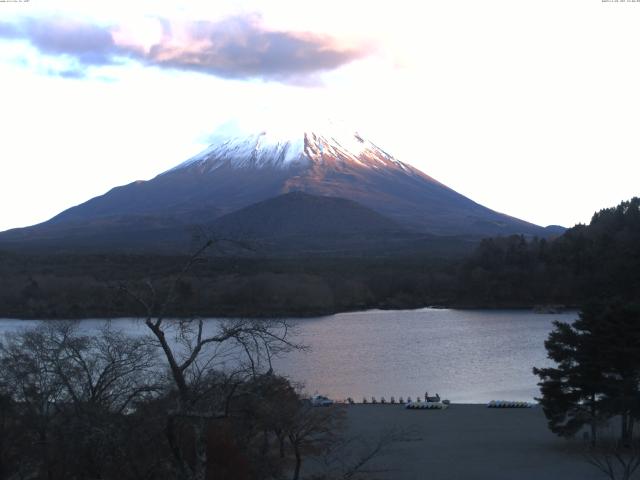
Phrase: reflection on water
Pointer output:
(465, 356)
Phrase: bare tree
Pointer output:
(108, 371)
(615, 460)
(67, 387)
(351, 458)
(35, 387)
(63, 367)
(312, 430)
(191, 348)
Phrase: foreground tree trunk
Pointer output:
(200, 467)
(627, 420)
(298, 455)
(281, 440)
(594, 420)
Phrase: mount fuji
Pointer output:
(243, 167)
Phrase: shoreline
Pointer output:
(311, 314)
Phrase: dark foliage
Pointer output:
(79, 286)
(597, 375)
(601, 260)
(78, 407)
(586, 262)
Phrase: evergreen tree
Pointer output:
(572, 391)
(616, 326)
(598, 370)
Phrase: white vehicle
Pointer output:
(321, 401)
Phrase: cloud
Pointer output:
(73, 73)
(89, 44)
(9, 30)
(239, 47)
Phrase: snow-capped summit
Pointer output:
(287, 145)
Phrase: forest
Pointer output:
(599, 259)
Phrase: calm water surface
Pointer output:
(465, 356)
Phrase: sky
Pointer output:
(530, 108)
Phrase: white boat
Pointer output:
(321, 401)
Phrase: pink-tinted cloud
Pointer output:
(239, 47)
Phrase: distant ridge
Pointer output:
(301, 214)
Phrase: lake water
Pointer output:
(465, 356)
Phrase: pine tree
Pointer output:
(571, 392)
(598, 370)
(616, 326)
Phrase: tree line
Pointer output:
(596, 377)
(588, 261)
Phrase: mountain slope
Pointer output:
(300, 214)
(297, 222)
(241, 168)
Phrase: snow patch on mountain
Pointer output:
(285, 145)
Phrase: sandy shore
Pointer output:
(469, 442)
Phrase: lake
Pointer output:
(467, 356)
